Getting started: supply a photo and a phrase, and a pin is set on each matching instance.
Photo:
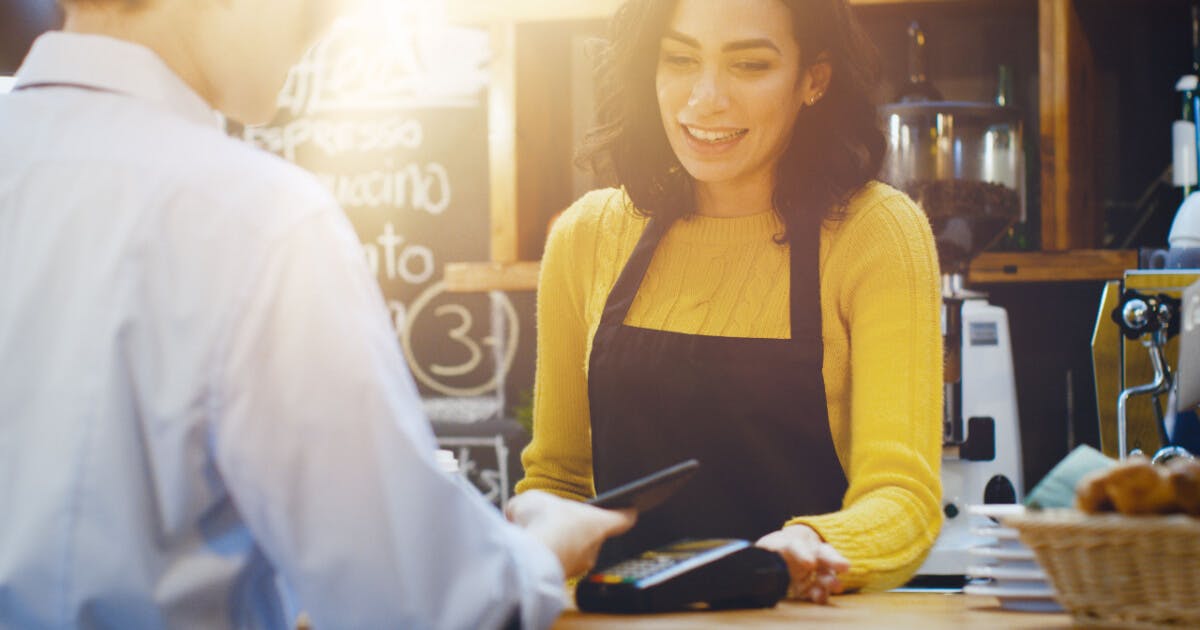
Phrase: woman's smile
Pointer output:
(712, 140)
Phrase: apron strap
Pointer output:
(620, 298)
(805, 249)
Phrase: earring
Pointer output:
(815, 97)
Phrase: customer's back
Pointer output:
(131, 236)
(200, 386)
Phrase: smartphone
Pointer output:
(647, 492)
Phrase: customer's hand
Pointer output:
(813, 563)
(574, 531)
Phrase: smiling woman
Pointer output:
(748, 297)
(810, 72)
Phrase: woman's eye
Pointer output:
(678, 61)
(751, 66)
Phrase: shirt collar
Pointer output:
(115, 65)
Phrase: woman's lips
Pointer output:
(708, 140)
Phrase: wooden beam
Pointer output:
(544, 130)
(476, 277)
(490, 11)
(1070, 215)
(988, 268)
(502, 142)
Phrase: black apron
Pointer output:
(752, 411)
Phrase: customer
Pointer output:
(749, 297)
(200, 391)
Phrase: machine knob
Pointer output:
(1164, 314)
(1136, 313)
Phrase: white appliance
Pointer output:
(981, 452)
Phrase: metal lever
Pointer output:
(1159, 317)
(1160, 385)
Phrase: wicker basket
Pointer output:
(1128, 571)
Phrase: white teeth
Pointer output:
(714, 137)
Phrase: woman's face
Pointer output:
(730, 85)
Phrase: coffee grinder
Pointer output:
(964, 164)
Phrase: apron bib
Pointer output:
(752, 411)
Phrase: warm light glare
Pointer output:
(989, 155)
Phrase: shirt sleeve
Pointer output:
(321, 440)
(889, 287)
(559, 457)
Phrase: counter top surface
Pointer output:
(920, 611)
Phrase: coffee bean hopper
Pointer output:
(964, 164)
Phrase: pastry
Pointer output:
(1184, 475)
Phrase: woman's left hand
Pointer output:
(813, 563)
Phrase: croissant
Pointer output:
(1135, 486)
(1184, 476)
(1140, 487)
(1091, 493)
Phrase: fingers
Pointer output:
(586, 560)
(617, 522)
(816, 587)
(829, 558)
(814, 566)
(799, 556)
(829, 583)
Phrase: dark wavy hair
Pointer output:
(837, 145)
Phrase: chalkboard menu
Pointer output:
(390, 113)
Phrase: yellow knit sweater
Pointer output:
(880, 305)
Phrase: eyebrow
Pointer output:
(744, 44)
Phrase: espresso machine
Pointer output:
(963, 163)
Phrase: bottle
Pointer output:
(917, 88)
(1003, 86)
(1183, 138)
(1019, 236)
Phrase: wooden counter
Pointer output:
(895, 611)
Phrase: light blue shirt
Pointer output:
(200, 390)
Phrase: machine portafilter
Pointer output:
(1153, 319)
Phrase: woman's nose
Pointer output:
(708, 94)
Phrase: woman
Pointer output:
(748, 297)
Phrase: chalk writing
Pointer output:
(388, 112)
(492, 482)
(394, 66)
(408, 262)
(461, 334)
(422, 187)
(335, 137)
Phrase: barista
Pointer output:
(748, 296)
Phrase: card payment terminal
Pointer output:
(715, 572)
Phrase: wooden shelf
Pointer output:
(1061, 266)
(988, 268)
(491, 276)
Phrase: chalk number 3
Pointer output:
(432, 376)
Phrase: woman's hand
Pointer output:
(813, 563)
